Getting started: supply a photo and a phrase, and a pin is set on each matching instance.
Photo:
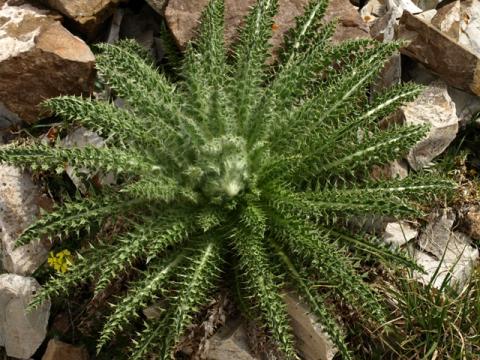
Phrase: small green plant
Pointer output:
(239, 171)
(431, 323)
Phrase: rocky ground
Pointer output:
(45, 51)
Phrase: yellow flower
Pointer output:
(60, 261)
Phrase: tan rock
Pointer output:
(312, 341)
(88, 15)
(447, 19)
(19, 206)
(350, 23)
(472, 220)
(58, 350)
(182, 17)
(230, 342)
(39, 59)
(21, 332)
(157, 5)
(454, 63)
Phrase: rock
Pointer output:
(153, 311)
(472, 222)
(79, 138)
(369, 223)
(350, 23)
(435, 108)
(469, 35)
(19, 205)
(447, 19)
(21, 333)
(426, 4)
(454, 63)
(230, 342)
(114, 29)
(384, 30)
(428, 15)
(143, 26)
(87, 15)
(373, 10)
(312, 342)
(399, 233)
(461, 21)
(399, 6)
(397, 169)
(58, 350)
(449, 251)
(467, 105)
(38, 57)
(182, 17)
(157, 5)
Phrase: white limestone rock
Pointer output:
(450, 251)
(21, 333)
(469, 35)
(19, 199)
(372, 10)
(399, 233)
(426, 4)
(435, 108)
(399, 6)
(82, 137)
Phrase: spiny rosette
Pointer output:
(234, 170)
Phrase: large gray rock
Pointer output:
(39, 59)
(21, 333)
(433, 107)
(451, 252)
(19, 206)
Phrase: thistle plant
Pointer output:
(239, 170)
